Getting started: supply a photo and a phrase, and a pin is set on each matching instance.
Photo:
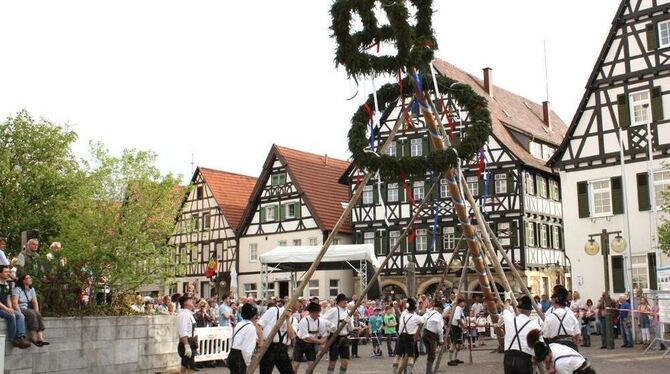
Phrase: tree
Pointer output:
(117, 228)
(664, 227)
(38, 176)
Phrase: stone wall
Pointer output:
(138, 344)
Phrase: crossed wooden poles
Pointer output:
(455, 180)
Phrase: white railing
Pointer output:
(213, 343)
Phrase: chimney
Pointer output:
(546, 114)
(325, 160)
(488, 81)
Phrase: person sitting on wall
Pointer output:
(16, 328)
(24, 300)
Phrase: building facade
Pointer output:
(520, 198)
(207, 228)
(295, 202)
(624, 104)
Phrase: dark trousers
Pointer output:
(430, 340)
(236, 362)
(354, 346)
(517, 362)
(276, 356)
(389, 343)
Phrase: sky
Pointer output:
(218, 82)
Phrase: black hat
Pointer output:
(562, 295)
(313, 307)
(525, 303)
(411, 304)
(248, 311)
(541, 350)
(341, 297)
(183, 298)
(437, 304)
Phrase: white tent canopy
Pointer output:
(297, 258)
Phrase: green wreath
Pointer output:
(415, 44)
(389, 167)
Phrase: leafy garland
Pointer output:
(415, 44)
(390, 167)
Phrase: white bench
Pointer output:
(213, 343)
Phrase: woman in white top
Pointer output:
(24, 299)
(563, 359)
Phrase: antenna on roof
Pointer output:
(192, 163)
(546, 71)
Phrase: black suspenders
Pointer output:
(318, 325)
(560, 321)
(281, 336)
(516, 335)
(404, 324)
(232, 340)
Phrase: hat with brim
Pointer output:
(541, 351)
(313, 307)
(525, 303)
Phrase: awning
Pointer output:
(338, 257)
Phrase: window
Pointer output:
(291, 210)
(530, 234)
(418, 190)
(547, 152)
(282, 243)
(336, 241)
(664, 34)
(416, 147)
(270, 291)
(504, 233)
(393, 239)
(421, 240)
(199, 193)
(448, 238)
(369, 237)
(278, 179)
(253, 252)
(392, 151)
(640, 107)
(541, 186)
(194, 223)
(544, 239)
(313, 241)
(313, 288)
(556, 237)
(368, 195)
(500, 183)
(206, 221)
(444, 188)
(536, 149)
(640, 273)
(334, 287)
(530, 184)
(392, 193)
(250, 290)
(270, 212)
(601, 198)
(553, 190)
(297, 242)
(473, 185)
(661, 186)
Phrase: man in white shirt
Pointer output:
(3, 257)
(277, 353)
(243, 342)
(408, 327)
(340, 347)
(561, 325)
(312, 331)
(562, 358)
(518, 355)
(477, 306)
(456, 332)
(433, 333)
(185, 325)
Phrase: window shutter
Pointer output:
(510, 182)
(359, 237)
(282, 179)
(378, 242)
(652, 36)
(385, 192)
(375, 194)
(282, 211)
(411, 245)
(651, 262)
(480, 185)
(538, 238)
(583, 199)
(643, 200)
(458, 231)
(404, 145)
(438, 239)
(298, 210)
(492, 184)
(514, 234)
(262, 214)
(656, 104)
(624, 111)
(385, 242)
(617, 196)
(425, 146)
(276, 211)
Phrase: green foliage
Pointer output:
(664, 228)
(391, 167)
(415, 44)
(38, 175)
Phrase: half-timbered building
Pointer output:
(623, 108)
(520, 197)
(296, 201)
(207, 227)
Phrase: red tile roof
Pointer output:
(317, 177)
(511, 111)
(231, 192)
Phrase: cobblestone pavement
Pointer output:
(617, 361)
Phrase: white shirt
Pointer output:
(477, 307)
(269, 319)
(552, 324)
(3, 258)
(337, 314)
(314, 328)
(481, 324)
(409, 323)
(458, 315)
(244, 339)
(565, 359)
(513, 340)
(433, 322)
(185, 323)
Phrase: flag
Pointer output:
(233, 282)
(482, 162)
(211, 267)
